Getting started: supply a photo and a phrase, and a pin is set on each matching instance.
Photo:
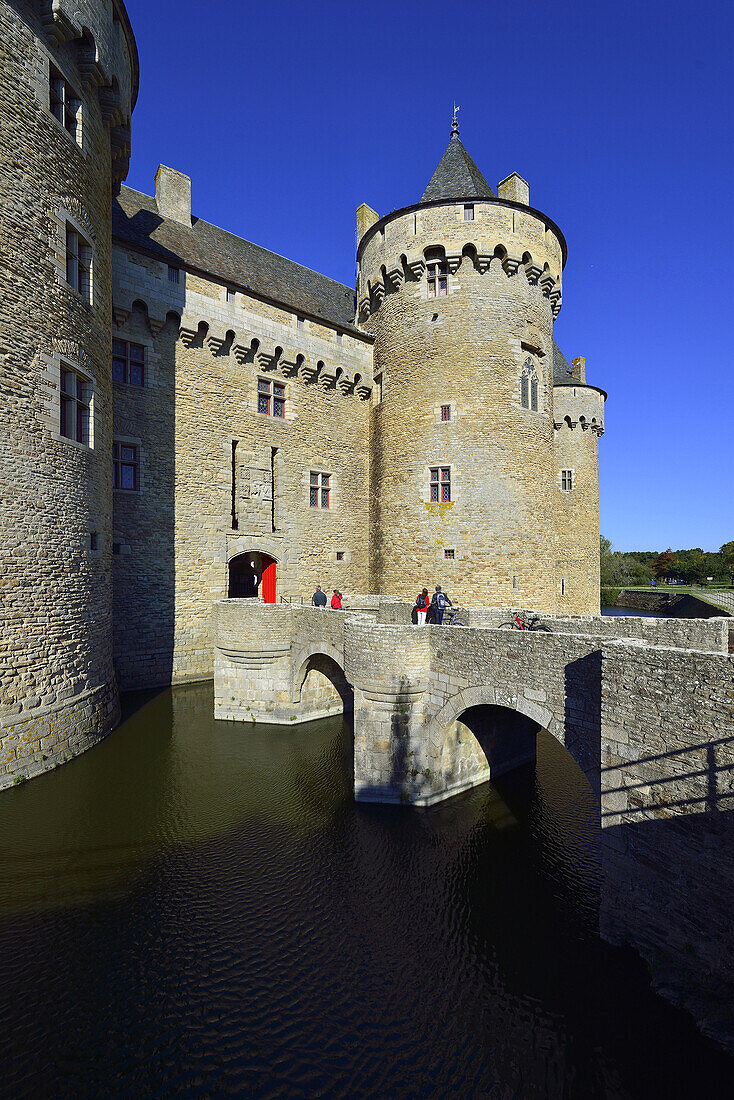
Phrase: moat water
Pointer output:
(198, 909)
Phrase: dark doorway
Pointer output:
(252, 574)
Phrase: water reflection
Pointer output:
(200, 909)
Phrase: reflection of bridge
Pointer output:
(644, 706)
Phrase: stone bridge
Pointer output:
(644, 706)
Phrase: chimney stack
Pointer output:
(173, 195)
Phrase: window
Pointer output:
(449, 554)
(319, 489)
(300, 323)
(270, 398)
(125, 466)
(93, 541)
(128, 363)
(514, 582)
(173, 274)
(469, 212)
(231, 294)
(566, 480)
(563, 588)
(78, 263)
(529, 386)
(76, 400)
(438, 280)
(64, 104)
(340, 555)
(339, 337)
(445, 412)
(441, 483)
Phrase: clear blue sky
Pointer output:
(619, 114)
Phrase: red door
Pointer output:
(268, 583)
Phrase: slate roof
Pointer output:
(456, 176)
(562, 371)
(205, 247)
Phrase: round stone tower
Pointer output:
(69, 82)
(460, 292)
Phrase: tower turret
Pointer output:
(460, 291)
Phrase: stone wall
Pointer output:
(199, 504)
(57, 691)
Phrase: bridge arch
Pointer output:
(318, 673)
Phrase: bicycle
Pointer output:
(533, 623)
(451, 617)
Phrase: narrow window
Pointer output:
(173, 274)
(449, 554)
(378, 388)
(566, 480)
(415, 224)
(76, 400)
(319, 489)
(128, 363)
(534, 394)
(64, 103)
(469, 212)
(231, 294)
(438, 280)
(563, 588)
(524, 401)
(339, 336)
(529, 385)
(340, 555)
(441, 483)
(445, 412)
(235, 520)
(300, 323)
(93, 541)
(271, 398)
(125, 466)
(273, 457)
(514, 582)
(78, 263)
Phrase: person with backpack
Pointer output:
(336, 600)
(421, 605)
(438, 604)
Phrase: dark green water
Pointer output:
(198, 908)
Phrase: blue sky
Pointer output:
(288, 115)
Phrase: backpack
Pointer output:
(414, 615)
(440, 601)
(422, 602)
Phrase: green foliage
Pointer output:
(609, 596)
(639, 567)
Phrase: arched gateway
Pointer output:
(252, 574)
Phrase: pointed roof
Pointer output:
(456, 176)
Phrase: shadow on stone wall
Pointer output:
(582, 716)
(668, 886)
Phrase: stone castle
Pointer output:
(186, 416)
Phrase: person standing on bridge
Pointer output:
(336, 600)
(438, 604)
(319, 598)
(422, 604)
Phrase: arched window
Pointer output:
(529, 385)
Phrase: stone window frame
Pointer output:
(570, 471)
(64, 101)
(346, 556)
(529, 390)
(319, 488)
(230, 295)
(271, 396)
(438, 412)
(77, 218)
(132, 441)
(83, 259)
(79, 397)
(319, 466)
(78, 361)
(440, 483)
(469, 209)
(454, 481)
(437, 272)
(129, 341)
(173, 274)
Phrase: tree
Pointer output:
(727, 559)
(664, 564)
(608, 562)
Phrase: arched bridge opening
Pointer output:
(485, 741)
(320, 685)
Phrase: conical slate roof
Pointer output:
(456, 176)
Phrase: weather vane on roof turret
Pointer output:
(455, 122)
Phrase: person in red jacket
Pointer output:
(336, 600)
(422, 604)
